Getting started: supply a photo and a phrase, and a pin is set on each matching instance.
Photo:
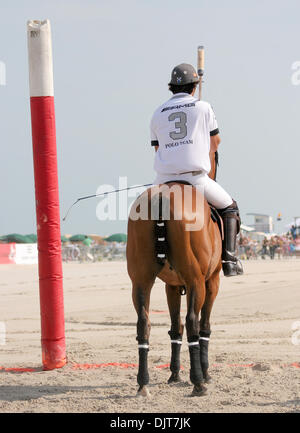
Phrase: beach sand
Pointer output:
(253, 362)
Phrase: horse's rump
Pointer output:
(174, 231)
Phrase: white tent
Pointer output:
(296, 222)
(246, 228)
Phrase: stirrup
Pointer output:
(231, 269)
(239, 267)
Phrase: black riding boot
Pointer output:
(231, 220)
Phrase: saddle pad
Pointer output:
(215, 216)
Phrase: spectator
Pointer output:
(283, 246)
(264, 250)
(294, 232)
(272, 248)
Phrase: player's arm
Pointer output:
(154, 140)
(214, 142)
(155, 144)
(214, 131)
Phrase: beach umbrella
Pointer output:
(78, 238)
(32, 237)
(16, 238)
(117, 237)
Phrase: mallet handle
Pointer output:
(200, 66)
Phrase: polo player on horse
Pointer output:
(185, 134)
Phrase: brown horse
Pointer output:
(191, 264)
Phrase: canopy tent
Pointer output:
(33, 238)
(117, 237)
(17, 239)
(78, 238)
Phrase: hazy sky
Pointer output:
(112, 63)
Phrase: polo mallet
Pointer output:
(200, 67)
(103, 194)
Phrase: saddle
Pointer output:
(216, 217)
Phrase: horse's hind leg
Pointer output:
(176, 331)
(141, 300)
(212, 287)
(195, 300)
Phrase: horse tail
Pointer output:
(160, 233)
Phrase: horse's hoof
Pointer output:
(199, 391)
(143, 392)
(174, 378)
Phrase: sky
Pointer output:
(112, 62)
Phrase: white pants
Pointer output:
(213, 192)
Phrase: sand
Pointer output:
(254, 364)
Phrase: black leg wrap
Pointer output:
(143, 375)
(204, 350)
(175, 358)
(205, 334)
(196, 375)
(175, 351)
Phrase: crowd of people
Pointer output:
(275, 246)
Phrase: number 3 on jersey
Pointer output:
(181, 125)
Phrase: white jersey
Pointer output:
(182, 127)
